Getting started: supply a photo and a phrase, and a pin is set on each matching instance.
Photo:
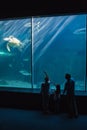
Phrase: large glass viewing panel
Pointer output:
(15, 53)
(59, 47)
(30, 46)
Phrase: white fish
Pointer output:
(80, 31)
(27, 25)
(5, 54)
(25, 72)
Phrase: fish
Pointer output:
(27, 25)
(25, 72)
(2, 53)
(80, 31)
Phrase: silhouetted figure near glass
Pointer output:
(45, 94)
(56, 97)
(69, 88)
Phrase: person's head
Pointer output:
(67, 76)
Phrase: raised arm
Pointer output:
(46, 73)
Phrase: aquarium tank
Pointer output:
(54, 44)
(15, 53)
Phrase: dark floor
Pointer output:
(15, 119)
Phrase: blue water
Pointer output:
(15, 64)
(60, 47)
(56, 44)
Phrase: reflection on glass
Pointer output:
(59, 47)
(15, 53)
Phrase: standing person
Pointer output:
(56, 96)
(69, 88)
(45, 94)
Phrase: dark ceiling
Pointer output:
(43, 7)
